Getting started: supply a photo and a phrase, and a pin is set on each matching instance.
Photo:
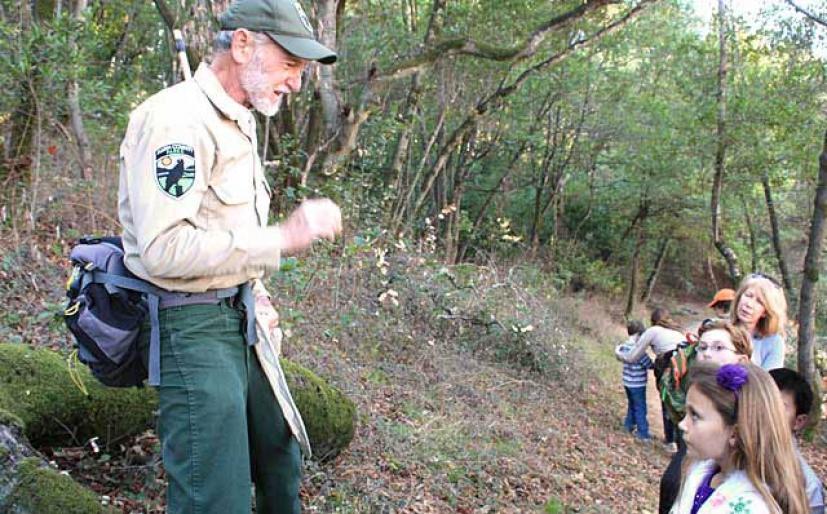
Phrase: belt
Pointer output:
(168, 299)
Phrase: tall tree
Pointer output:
(73, 98)
(812, 266)
(660, 258)
(720, 149)
(786, 280)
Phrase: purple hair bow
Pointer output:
(732, 377)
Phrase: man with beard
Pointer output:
(222, 427)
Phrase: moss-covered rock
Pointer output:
(329, 416)
(42, 490)
(37, 388)
(29, 486)
(38, 391)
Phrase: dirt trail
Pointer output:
(653, 412)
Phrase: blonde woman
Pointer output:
(761, 308)
(740, 451)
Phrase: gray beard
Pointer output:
(265, 107)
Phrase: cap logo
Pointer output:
(303, 16)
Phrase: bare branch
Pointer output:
(166, 14)
(575, 45)
(463, 46)
(806, 13)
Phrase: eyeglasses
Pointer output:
(714, 348)
(771, 279)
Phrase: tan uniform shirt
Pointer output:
(193, 200)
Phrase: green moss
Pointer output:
(36, 387)
(329, 416)
(37, 392)
(43, 490)
(7, 418)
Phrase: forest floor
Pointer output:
(479, 389)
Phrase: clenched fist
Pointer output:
(314, 219)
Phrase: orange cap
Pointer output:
(724, 295)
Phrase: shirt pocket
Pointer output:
(233, 190)
(233, 176)
(231, 202)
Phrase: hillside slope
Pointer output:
(479, 389)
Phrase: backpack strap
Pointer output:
(153, 295)
(133, 284)
(249, 301)
(154, 341)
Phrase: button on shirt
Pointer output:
(193, 199)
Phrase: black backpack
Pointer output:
(105, 312)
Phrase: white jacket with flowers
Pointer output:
(736, 495)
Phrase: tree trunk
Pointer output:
(592, 170)
(633, 271)
(327, 30)
(653, 275)
(73, 99)
(453, 209)
(36, 157)
(807, 300)
(720, 153)
(752, 239)
(486, 204)
(406, 120)
(776, 243)
(404, 199)
(536, 218)
(711, 271)
(408, 113)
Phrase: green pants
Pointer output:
(220, 425)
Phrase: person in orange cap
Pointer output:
(722, 301)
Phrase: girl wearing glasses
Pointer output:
(761, 308)
(720, 342)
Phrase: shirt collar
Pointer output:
(209, 83)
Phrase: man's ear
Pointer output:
(800, 422)
(243, 46)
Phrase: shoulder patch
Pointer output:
(175, 169)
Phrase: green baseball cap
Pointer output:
(284, 21)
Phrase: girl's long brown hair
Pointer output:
(764, 446)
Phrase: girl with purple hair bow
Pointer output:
(739, 447)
